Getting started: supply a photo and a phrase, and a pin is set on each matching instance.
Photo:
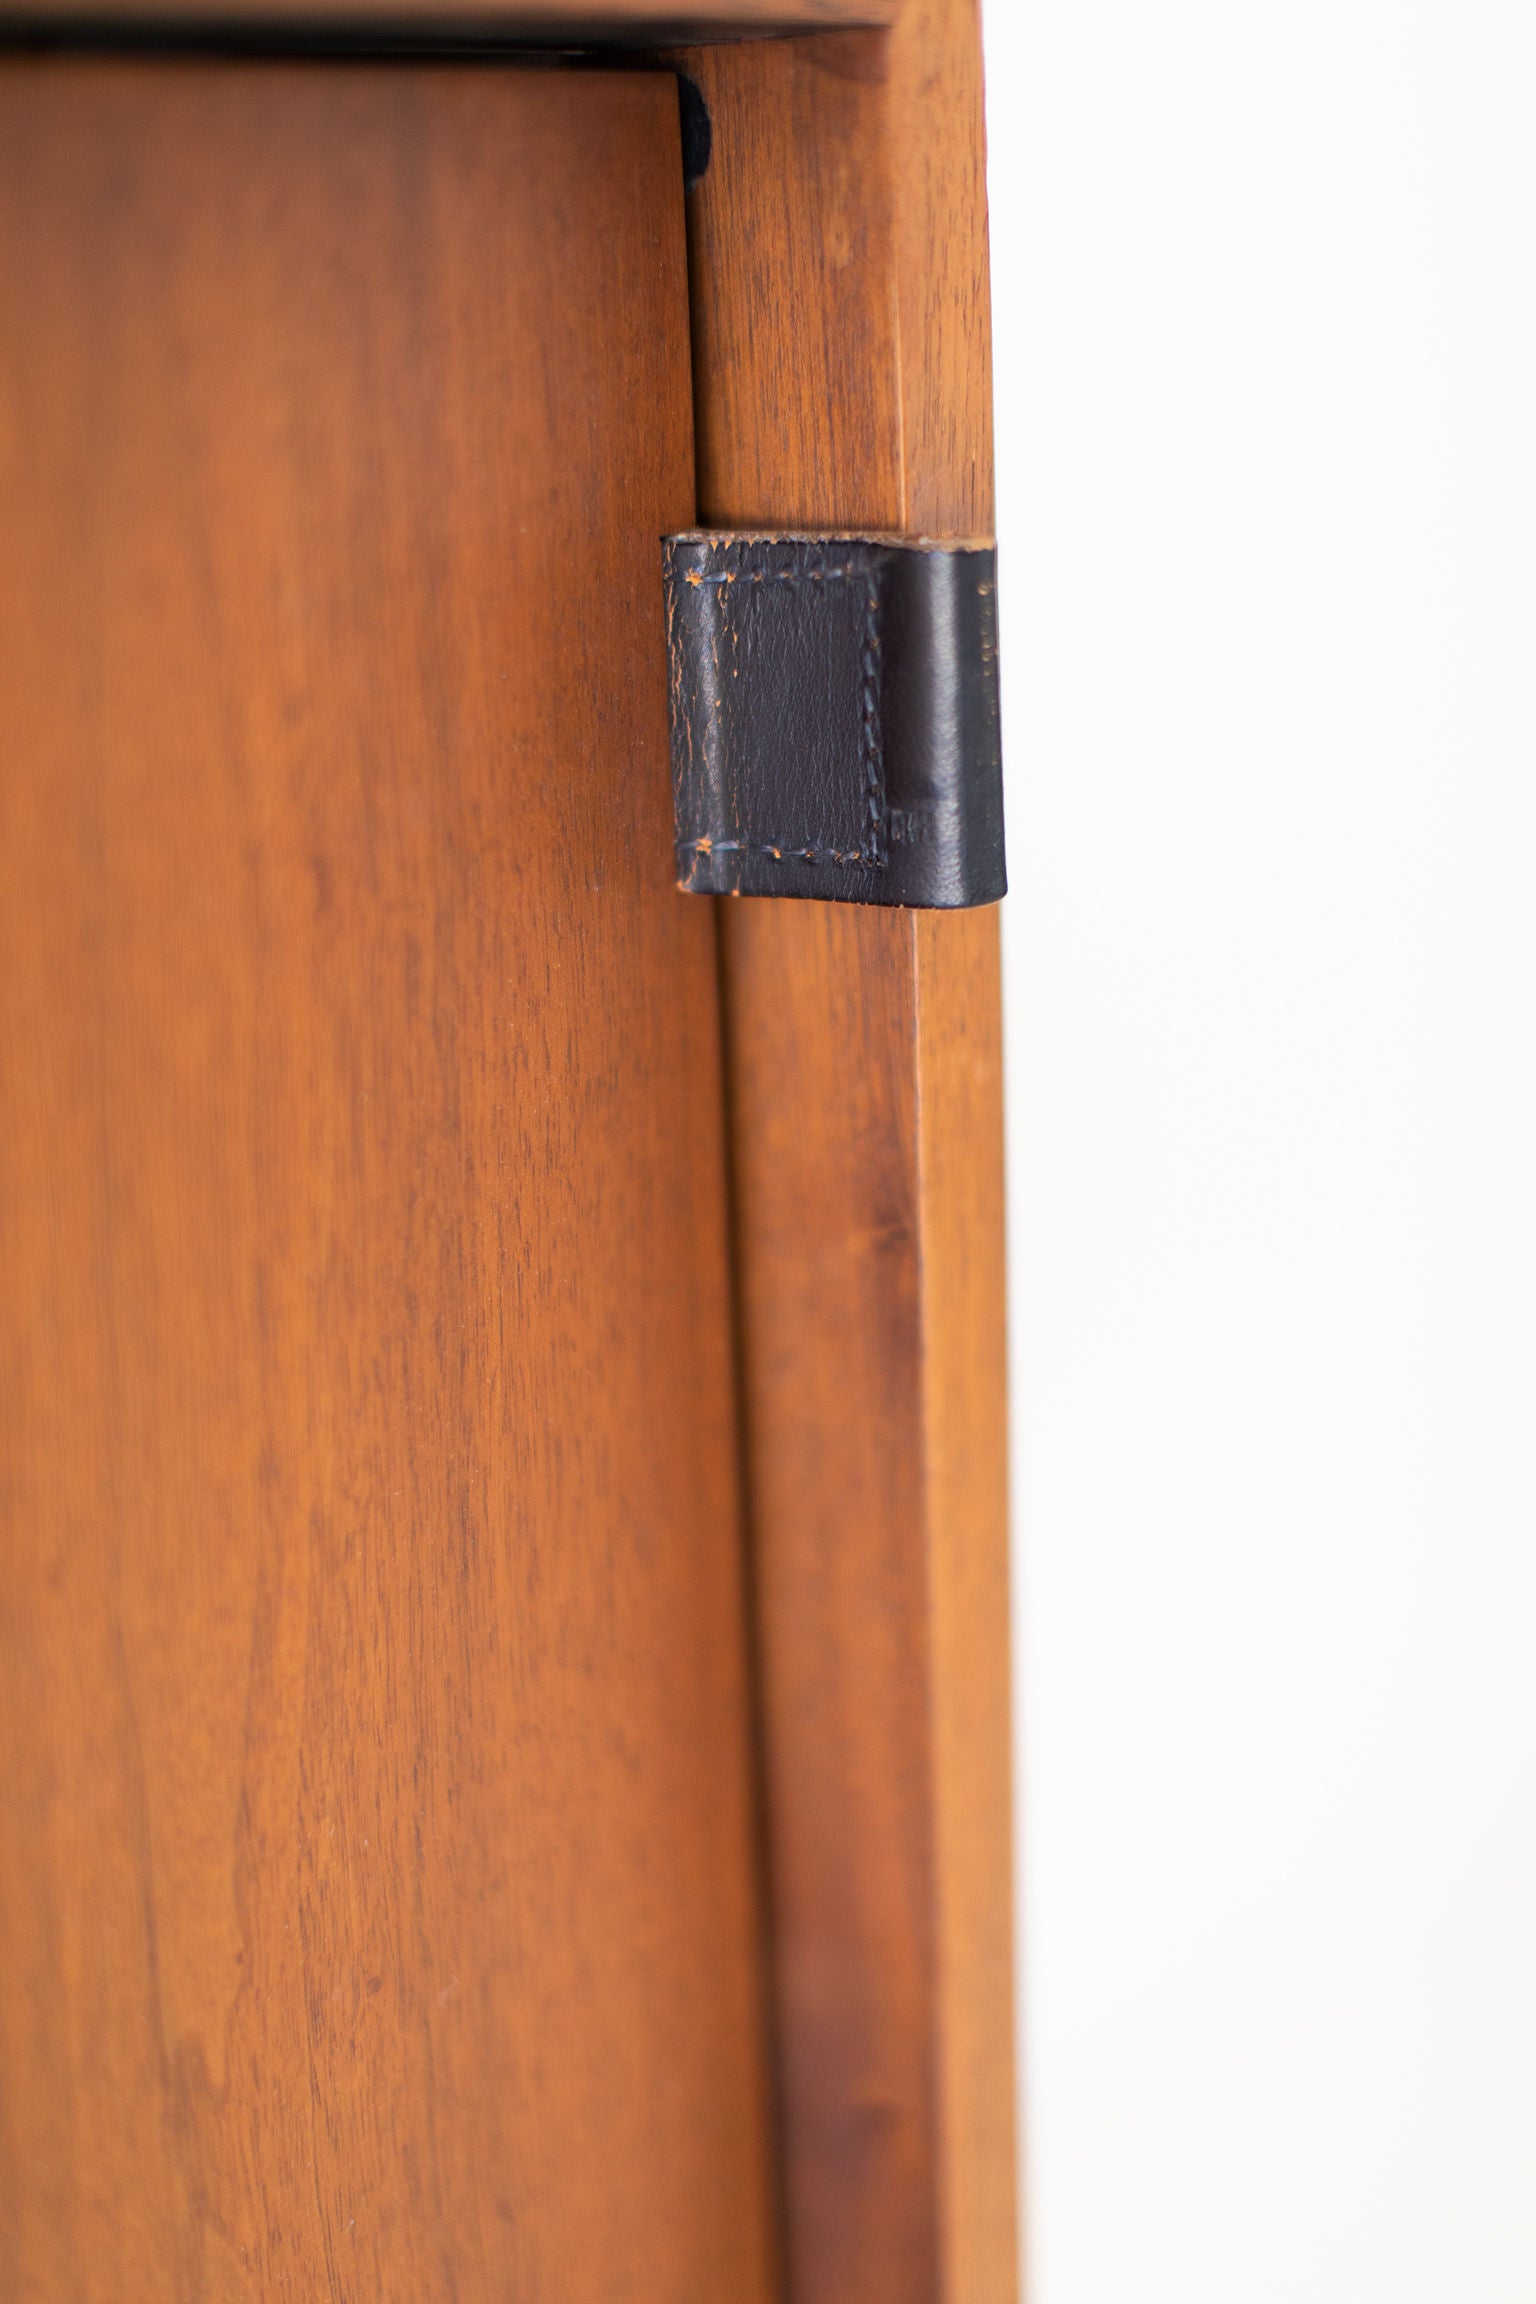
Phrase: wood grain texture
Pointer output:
(377, 1904)
(562, 22)
(842, 377)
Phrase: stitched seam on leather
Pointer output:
(785, 853)
(773, 575)
(872, 855)
(874, 781)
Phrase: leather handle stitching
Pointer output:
(785, 853)
(772, 576)
(874, 774)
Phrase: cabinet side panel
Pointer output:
(838, 268)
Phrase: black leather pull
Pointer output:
(834, 718)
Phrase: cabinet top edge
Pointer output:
(544, 23)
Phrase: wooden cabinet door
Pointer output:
(378, 1907)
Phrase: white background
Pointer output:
(1264, 280)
